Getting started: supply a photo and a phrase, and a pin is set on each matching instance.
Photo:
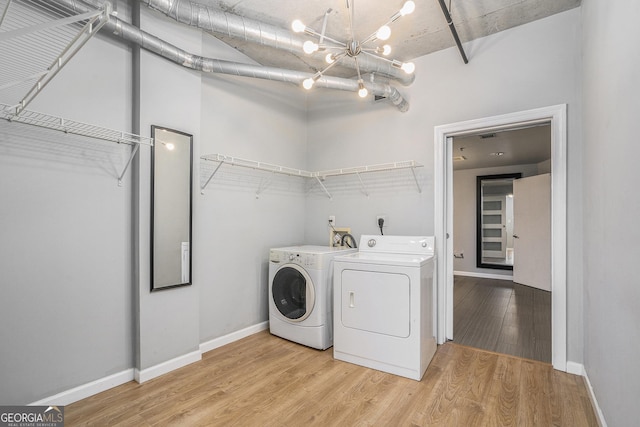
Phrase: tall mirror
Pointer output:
(171, 192)
(494, 217)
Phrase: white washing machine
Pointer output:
(384, 305)
(301, 294)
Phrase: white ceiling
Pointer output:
(519, 147)
(425, 31)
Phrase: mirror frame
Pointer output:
(479, 180)
(154, 130)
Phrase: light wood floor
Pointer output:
(263, 380)
(502, 316)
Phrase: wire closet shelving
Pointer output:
(319, 176)
(37, 39)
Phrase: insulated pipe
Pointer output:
(238, 27)
(452, 27)
(210, 65)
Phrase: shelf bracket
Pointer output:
(4, 13)
(94, 24)
(210, 177)
(263, 186)
(323, 187)
(364, 189)
(134, 150)
(413, 171)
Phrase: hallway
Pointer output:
(502, 316)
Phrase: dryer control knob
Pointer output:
(371, 243)
(424, 244)
(291, 257)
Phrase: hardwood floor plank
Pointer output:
(264, 380)
(503, 316)
(504, 396)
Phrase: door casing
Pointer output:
(556, 116)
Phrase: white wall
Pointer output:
(65, 225)
(527, 67)
(168, 320)
(464, 215)
(612, 205)
(234, 229)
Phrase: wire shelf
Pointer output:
(71, 126)
(318, 176)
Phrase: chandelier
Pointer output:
(337, 50)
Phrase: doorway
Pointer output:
(443, 190)
(496, 178)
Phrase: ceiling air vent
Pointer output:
(487, 135)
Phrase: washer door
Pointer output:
(293, 293)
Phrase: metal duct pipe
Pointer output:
(228, 24)
(210, 65)
(452, 27)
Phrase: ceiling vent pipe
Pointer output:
(168, 51)
(227, 24)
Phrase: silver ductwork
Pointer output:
(173, 53)
(227, 24)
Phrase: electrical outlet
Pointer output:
(332, 219)
(384, 218)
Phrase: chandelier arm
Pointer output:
(355, 58)
(328, 67)
(377, 56)
(321, 37)
(372, 37)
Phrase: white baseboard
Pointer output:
(599, 415)
(87, 390)
(94, 387)
(234, 336)
(578, 369)
(166, 367)
(483, 275)
(575, 368)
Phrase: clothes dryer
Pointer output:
(301, 294)
(384, 305)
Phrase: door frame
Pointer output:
(556, 116)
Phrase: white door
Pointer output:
(532, 231)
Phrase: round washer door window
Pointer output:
(293, 292)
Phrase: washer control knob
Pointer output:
(371, 243)
(291, 257)
(424, 244)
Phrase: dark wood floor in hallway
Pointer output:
(502, 316)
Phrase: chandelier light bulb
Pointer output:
(362, 91)
(386, 50)
(408, 67)
(329, 58)
(408, 8)
(297, 26)
(308, 83)
(309, 47)
(383, 32)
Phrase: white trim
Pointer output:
(483, 275)
(575, 368)
(94, 387)
(234, 336)
(166, 367)
(86, 390)
(557, 117)
(594, 402)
